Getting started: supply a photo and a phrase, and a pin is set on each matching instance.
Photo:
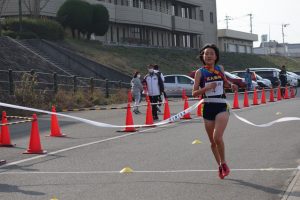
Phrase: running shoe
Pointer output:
(221, 172)
(225, 169)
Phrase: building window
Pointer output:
(211, 16)
(201, 15)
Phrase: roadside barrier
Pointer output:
(286, 93)
(246, 100)
(55, 129)
(199, 109)
(292, 93)
(263, 97)
(149, 117)
(167, 113)
(129, 120)
(35, 146)
(255, 98)
(236, 101)
(5, 136)
(186, 106)
(279, 94)
(272, 95)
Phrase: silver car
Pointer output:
(175, 83)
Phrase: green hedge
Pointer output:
(35, 28)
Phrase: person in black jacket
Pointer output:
(160, 99)
(283, 76)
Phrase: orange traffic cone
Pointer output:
(236, 101)
(186, 106)
(246, 100)
(167, 113)
(35, 143)
(199, 109)
(129, 120)
(183, 94)
(55, 129)
(255, 101)
(149, 117)
(279, 94)
(286, 93)
(129, 96)
(271, 95)
(292, 92)
(5, 136)
(263, 96)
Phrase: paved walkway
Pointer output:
(293, 191)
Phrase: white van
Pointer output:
(273, 75)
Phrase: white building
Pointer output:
(274, 48)
(236, 41)
(161, 23)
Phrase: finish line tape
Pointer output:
(171, 119)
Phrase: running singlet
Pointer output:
(212, 76)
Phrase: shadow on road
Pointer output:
(5, 188)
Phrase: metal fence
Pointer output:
(53, 82)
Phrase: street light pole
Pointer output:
(20, 15)
(282, 29)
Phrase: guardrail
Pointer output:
(53, 82)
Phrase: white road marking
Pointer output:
(165, 171)
(87, 144)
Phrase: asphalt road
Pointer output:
(166, 165)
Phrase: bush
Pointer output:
(33, 28)
(9, 33)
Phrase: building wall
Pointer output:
(236, 41)
(209, 8)
(163, 23)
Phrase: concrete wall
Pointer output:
(210, 29)
(79, 64)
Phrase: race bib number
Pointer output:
(217, 91)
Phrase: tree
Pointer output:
(100, 20)
(77, 15)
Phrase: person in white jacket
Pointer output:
(155, 88)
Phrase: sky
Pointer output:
(268, 17)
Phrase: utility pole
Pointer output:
(282, 29)
(227, 18)
(20, 15)
(251, 17)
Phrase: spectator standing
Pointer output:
(155, 87)
(248, 79)
(136, 89)
(160, 99)
(283, 76)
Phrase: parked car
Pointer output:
(262, 82)
(268, 73)
(296, 76)
(240, 82)
(175, 83)
(297, 72)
